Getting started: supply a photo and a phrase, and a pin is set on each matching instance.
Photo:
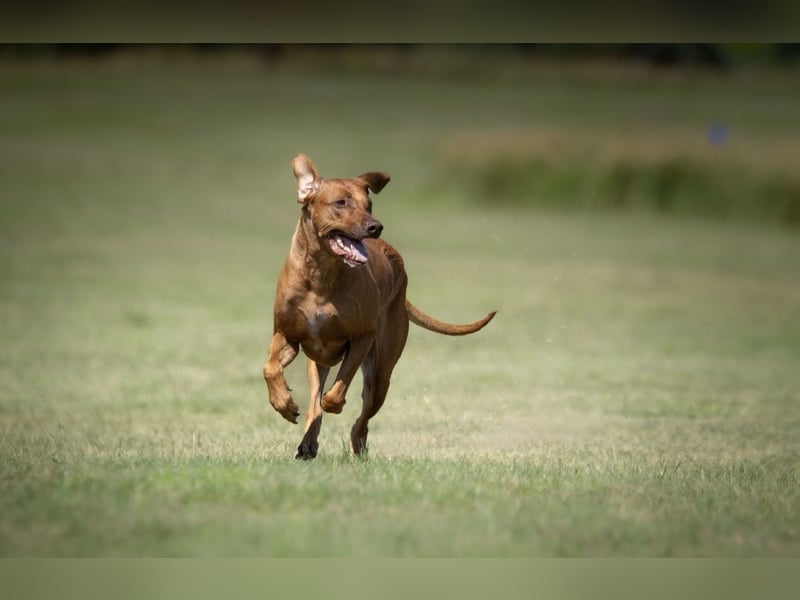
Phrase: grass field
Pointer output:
(637, 394)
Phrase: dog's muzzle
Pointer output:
(352, 249)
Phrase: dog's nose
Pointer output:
(374, 228)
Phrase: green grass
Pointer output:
(637, 394)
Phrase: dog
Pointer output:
(341, 297)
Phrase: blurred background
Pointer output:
(696, 129)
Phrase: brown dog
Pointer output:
(341, 297)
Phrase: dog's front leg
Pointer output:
(333, 401)
(281, 353)
(316, 378)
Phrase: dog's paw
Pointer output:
(306, 452)
(289, 410)
(333, 404)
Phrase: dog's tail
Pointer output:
(428, 322)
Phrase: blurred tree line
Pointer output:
(666, 55)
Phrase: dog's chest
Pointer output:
(315, 321)
(323, 342)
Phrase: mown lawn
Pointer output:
(637, 394)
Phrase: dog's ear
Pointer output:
(375, 181)
(308, 179)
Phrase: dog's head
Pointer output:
(340, 209)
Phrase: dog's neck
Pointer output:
(321, 269)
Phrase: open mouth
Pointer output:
(352, 252)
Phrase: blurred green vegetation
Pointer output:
(673, 184)
(405, 55)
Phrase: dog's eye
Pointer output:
(341, 202)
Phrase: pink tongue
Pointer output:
(355, 250)
(349, 249)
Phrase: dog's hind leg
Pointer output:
(377, 371)
(316, 378)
